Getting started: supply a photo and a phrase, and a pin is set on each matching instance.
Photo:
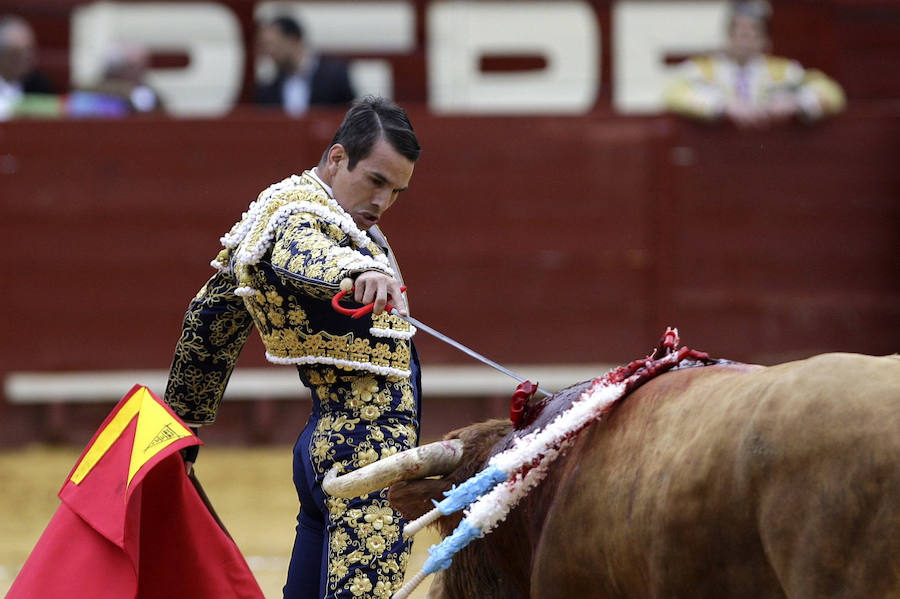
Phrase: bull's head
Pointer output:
(412, 496)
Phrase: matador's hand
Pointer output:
(373, 286)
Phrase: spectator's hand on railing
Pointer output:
(783, 107)
(746, 116)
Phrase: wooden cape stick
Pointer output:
(203, 496)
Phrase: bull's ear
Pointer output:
(413, 498)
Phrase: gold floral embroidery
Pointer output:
(216, 326)
(337, 505)
(366, 547)
(376, 545)
(406, 404)
(273, 298)
(383, 589)
(379, 517)
(366, 455)
(277, 311)
(339, 541)
(339, 567)
(390, 564)
(322, 449)
(370, 413)
(361, 585)
(296, 316)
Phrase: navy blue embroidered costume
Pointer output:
(282, 263)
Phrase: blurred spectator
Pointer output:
(747, 86)
(301, 78)
(124, 77)
(18, 75)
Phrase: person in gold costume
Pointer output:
(281, 264)
(747, 86)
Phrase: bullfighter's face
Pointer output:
(372, 186)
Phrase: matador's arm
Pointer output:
(216, 326)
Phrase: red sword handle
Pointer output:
(356, 312)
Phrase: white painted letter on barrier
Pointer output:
(645, 32)
(564, 34)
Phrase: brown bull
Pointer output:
(714, 482)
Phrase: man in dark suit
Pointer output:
(302, 78)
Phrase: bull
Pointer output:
(725, 481)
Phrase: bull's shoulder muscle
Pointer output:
(723, 460)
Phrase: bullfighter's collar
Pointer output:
(250, 238)
(314, 175)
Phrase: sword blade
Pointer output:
(437, 334)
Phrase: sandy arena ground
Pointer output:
(250, 487)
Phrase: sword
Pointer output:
(363, 310)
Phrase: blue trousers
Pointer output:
(350, 548)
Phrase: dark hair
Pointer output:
(369, 120)
(288, 26)
(758, 10)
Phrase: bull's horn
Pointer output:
(435, 458)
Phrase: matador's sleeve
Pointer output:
(215, 328)
(691, 92)
(314, 255)
(820, 95)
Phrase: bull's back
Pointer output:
(730, 482)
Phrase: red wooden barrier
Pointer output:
(532, 239)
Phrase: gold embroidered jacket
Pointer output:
(282, 264)
(700, 87)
